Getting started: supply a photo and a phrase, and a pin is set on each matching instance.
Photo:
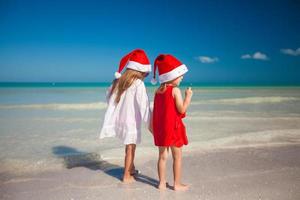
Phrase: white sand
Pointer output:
(241, 173)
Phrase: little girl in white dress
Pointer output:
(128, 107)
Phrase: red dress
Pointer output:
(168, 128)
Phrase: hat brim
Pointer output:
(175, 73)
(138, 66)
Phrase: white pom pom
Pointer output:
(117, 75)
(153, 81)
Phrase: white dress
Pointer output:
(124, 120)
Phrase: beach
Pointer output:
(244, 143)
(244, 173)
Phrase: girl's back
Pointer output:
(168, 127)
(124, 119)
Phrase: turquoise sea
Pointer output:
(43, 123)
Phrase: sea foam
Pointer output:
(251, 139)
(58, 106)
(247, 100)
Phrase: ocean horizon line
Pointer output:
(148, 84)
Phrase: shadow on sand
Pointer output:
(74, 158)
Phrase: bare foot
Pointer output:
(135, 172)
(162, 186)
(181, 187)
(129, 179)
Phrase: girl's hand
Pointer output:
(189, 92)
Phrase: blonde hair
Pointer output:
(162, 88)
(125, 81)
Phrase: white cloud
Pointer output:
(291, 52)
(257, 56)
(246, 56)
(206, 59)
(260, 56)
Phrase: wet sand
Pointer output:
(266, 172)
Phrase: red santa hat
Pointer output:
(169, 68)
(136, 60)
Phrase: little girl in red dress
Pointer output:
(169, 109)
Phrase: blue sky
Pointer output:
(229, 41)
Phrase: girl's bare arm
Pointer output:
(181, 104)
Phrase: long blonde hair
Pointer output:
(125, 81)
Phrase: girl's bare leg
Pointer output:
(128, 165)
(132, 170)
(161, 167)
(177, 161)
